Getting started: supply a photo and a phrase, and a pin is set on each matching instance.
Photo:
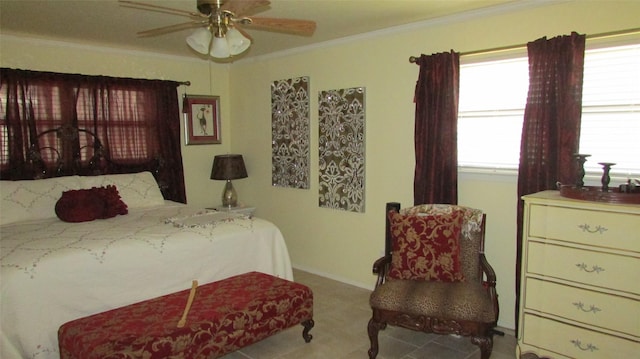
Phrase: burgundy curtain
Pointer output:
(137, 121)
(436, 129)
(551, 128)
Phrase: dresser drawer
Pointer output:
(575, 342)
(589, 227)
(582, 266)
(585, 306)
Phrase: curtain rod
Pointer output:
(414, 59)
(185, 83)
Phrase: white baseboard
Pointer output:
(336, 278)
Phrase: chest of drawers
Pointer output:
(580, 285)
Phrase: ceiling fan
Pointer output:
(221, 25)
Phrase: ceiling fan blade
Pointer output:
(293, 26)
(158, 8)
(172, 28)
(239, 7)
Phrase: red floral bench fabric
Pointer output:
(225, 316)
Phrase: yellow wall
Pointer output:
(340, 244)
(343, 245)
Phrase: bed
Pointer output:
(54, 271)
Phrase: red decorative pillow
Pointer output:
(81, 205)
(113, 203)
(85, 205)
(426, 247)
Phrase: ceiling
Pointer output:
(107, 23)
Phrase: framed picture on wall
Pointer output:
(202, 119)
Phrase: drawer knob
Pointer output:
(578, 344)
(587, 228)
(594, 269)
(592, 308)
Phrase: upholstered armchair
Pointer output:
(434, 276)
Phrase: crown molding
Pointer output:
(38, 41)
(514, 6)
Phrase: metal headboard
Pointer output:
(70, 155)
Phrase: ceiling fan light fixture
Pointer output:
(220, 48)
(238, 43)
(200, 40)
(221, 25)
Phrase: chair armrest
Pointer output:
(488, 271)
(490, 283)
(381, 264)
(381, 267)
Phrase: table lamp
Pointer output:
(228, 167)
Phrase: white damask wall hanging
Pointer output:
(342, 148)
(290, 133)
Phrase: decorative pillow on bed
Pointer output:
(85, 205)
(80, 205)
(33, 199)
(136, 189)
(426, 247)
(113, 202)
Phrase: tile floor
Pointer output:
(341, 314)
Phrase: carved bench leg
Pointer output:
(308, 324)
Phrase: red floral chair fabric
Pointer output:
(428, 294)
(225, 316)
(425, 247)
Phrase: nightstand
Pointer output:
(241, 209)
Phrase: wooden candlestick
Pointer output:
(606, 166)
(581, 159)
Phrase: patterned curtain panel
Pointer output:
(436, 129)
(136, 121)
(290, 133)
(551, 128)
(342, 149)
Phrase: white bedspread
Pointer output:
(53, 272)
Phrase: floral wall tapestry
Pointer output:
(290, 133)
(342, 149)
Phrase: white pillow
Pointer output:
(33, 199)
(136, 189)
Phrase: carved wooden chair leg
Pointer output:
(485, 344)
(373, 328)
(308, 324)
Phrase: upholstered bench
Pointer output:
(221, 317)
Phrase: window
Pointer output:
(129, 118)
(493, 97)
(131, 126)
(137, 121)
(495, 114)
